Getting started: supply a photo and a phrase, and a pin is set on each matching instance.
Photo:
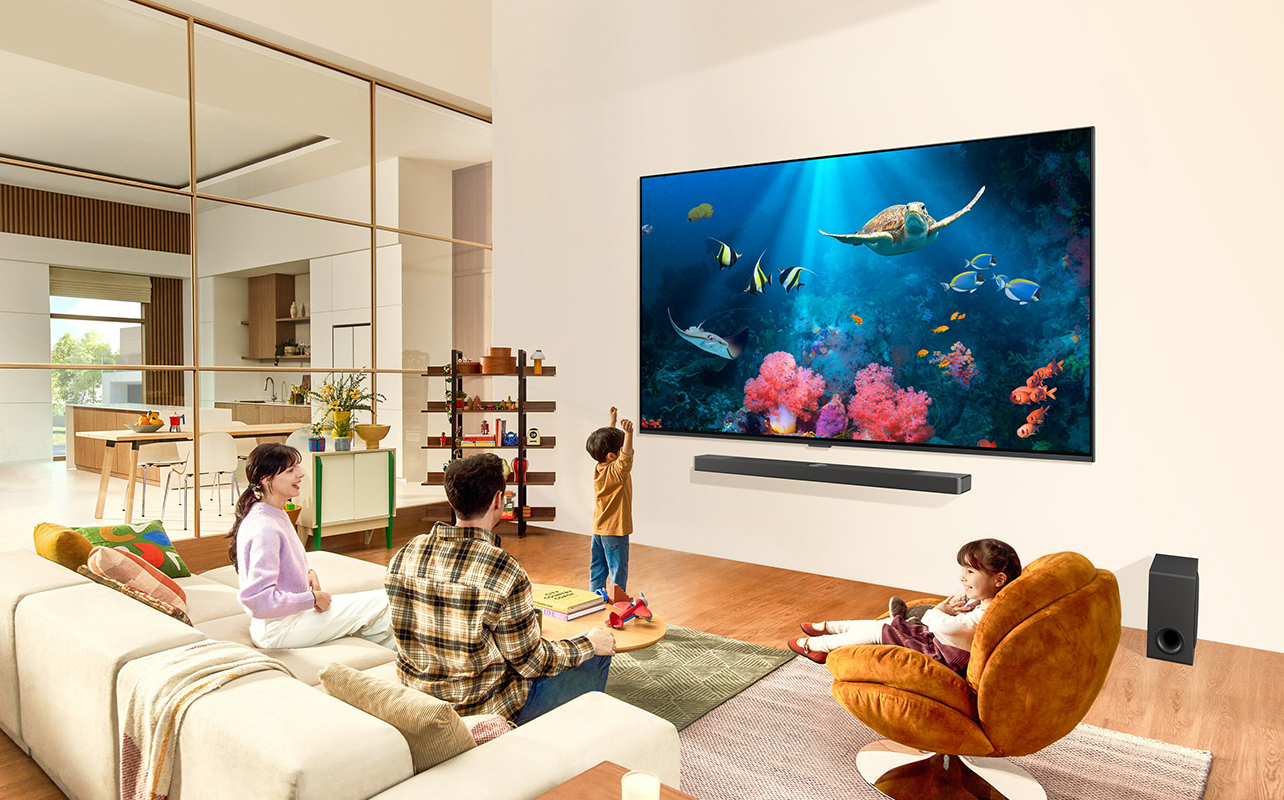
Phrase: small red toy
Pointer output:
(626, 607)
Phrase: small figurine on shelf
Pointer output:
(510, 404)
(538, 358)
(485, 428)
(445, 439)
(510, 439)
(519, 468)
(476, 404)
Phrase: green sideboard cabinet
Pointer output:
(352, 491)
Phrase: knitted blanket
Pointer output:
(160, 699)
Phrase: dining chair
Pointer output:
(158, 454)
(218, 458)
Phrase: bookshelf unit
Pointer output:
(454, 446)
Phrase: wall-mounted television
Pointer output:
(936, 297)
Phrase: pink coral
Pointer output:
(884, 412)
(832, 419)
(784, 390)
(959, 363)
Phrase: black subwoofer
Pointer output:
(1172, 620)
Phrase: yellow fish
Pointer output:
(700, 212)
(922, 353)
(961, 316)
(955, 315)
(944, 363)
(940, 329)
(857, 320)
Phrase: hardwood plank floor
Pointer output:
(1230, 702)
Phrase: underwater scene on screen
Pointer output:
(936, 295)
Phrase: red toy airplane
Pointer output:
(627, 607)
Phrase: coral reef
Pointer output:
(958, 364)
(832, 419)
(784, 391)
(884, 412)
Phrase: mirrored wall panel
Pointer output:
(279, 130)
(95, 86)
(424, 153)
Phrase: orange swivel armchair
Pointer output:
(1039, 658)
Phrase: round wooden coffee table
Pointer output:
(636, 634)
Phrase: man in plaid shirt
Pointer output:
(462, 614)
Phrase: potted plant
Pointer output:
(290, 347)
(316, 440)
(345, 394)
(343, 434)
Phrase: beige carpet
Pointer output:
(786, 737)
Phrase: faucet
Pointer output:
(265, 386)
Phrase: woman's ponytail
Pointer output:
(265, 462)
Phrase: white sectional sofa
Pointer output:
(70, 650)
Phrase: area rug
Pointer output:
(688, 673)
(785, 736)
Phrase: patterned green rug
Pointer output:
(689, 673)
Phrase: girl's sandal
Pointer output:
(800, 647)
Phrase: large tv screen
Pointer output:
(935, 297)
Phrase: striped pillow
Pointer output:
(124, 567)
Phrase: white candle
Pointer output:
(639, 786)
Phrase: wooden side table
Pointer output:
(602, 783)
(636, 634)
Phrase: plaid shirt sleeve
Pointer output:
(517, 636)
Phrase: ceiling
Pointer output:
(102, 87)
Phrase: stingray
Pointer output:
(729, 348)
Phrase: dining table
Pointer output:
(136, 440)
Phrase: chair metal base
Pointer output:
(904, 773)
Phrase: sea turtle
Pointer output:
(902, 229)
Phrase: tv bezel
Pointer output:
(811, 442)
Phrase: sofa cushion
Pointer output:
(68, 680)
(137, 594)
(433, 731)
(305, 662)
(207, 600)
(131, 570)
(338, 574)
(267, 736)
(61, 545)
(22, 573)
(146, 539)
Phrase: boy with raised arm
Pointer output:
(612, 449)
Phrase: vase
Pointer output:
(316, 445)
(342, 444)
(342, 415)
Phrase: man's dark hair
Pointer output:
(471, 484)
(992, 556)
(604, 441)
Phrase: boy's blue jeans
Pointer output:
(610, 555)
(548, 693)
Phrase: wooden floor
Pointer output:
(1230, 702)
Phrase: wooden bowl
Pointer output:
(371, 434)
(498, 365)
(468, 368)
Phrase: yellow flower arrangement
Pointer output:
(345, 393)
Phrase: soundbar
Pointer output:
(880, 477)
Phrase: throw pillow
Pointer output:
(132, 570)
(433, 730)
(146, 539)
(61, 544)
(487, 727)
(142, 597)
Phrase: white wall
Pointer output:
(26, 396)
(1188, 176)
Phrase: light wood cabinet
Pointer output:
(351, 491)
(270, 321)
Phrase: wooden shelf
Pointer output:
(532, 407)
(545, 443)
(444, 372)
(536, 514)
(282, 358)
(293, 319)
(532, 479)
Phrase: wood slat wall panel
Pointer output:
(34, 212)
(163, 333)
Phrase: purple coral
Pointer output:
(832, 419)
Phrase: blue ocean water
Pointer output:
(856, 307)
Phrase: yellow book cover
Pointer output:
(562, 598)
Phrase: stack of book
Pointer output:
(561, 602)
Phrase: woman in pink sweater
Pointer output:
(282, 595)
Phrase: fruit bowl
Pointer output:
(146, 428)
(371, 433)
